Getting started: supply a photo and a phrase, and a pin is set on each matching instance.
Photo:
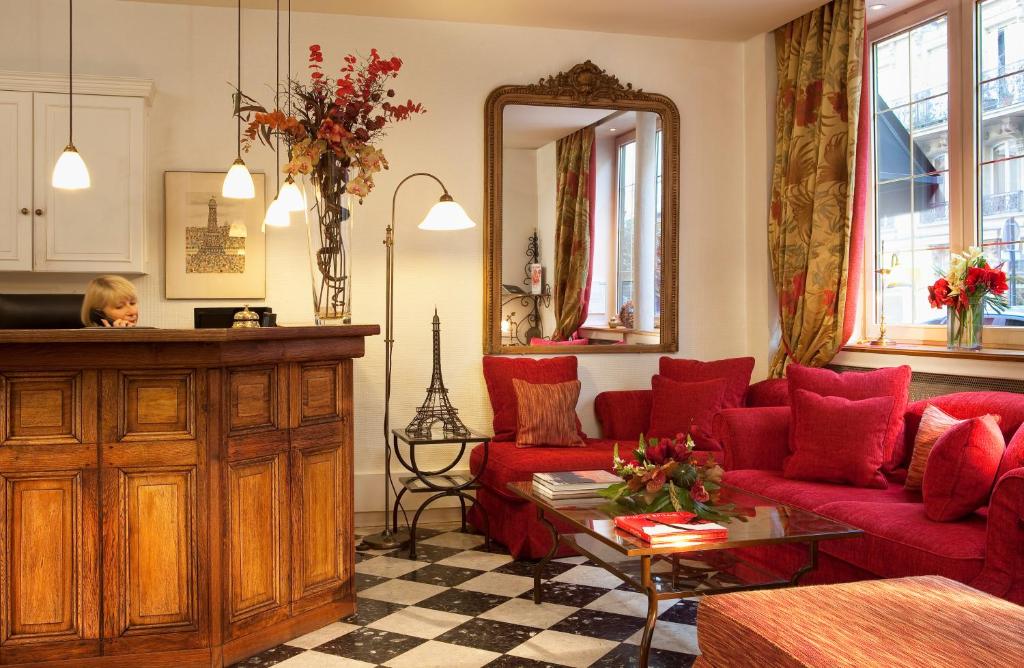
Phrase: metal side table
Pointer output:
(437, 481)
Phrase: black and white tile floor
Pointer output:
(457, 606)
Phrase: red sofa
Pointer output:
(623, 416)
(985, 550)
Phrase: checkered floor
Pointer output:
(458, 606)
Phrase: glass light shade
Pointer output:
(277, 215)
(238, 230)
(506, 327)
(70, 172)
(238, 183)
(447, 215)
(291, 196)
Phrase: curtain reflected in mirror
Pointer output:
(581, 226)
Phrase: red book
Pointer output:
(669, 528)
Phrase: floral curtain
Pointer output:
(574, 229)
(815, 228)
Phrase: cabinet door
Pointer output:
(99, 229)
(15, 181)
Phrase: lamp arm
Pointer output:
(389, 317)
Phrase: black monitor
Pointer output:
(219, 317)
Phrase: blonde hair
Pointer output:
(102, 292)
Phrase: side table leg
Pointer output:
(462, 503)
(416, 520)
(538, 570)
(652, 611)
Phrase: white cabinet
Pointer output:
(96, 230)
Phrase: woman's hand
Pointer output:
(120, 322)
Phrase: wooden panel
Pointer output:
(257, 540)
(320, 544)
(157, 405)
(16, 181)
(320, 389)
(41, 408)
(253, 400)
(156, 590)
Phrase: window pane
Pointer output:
(1001, 145)
(626, 201)
(912, 159)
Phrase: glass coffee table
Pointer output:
(699, 569)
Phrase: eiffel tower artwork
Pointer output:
(436, 407)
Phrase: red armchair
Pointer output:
(985, 550)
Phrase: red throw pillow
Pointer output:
(546, 413)
(893, 382)
(962, 469)
(678, 407)
(498, 374)
(735, 371)
(833, 439)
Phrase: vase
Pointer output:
(330, 245)
(964, 326)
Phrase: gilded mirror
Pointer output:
(582, 217)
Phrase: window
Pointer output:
(948, 150)
(626, 200)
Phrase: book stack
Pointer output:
(573, 488)
(678, 528)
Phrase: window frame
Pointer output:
(962, 159)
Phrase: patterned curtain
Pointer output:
(574, 221)
(815, 228)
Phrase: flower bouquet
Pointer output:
(331, 127)
(664, 475)
(969, 288)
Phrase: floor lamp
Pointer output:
(445, 215)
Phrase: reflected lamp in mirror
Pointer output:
(582, 183)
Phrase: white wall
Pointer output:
(519, 211)
(190, 54)
(547, 198)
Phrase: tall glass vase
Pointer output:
(964, 326)
(330, 245)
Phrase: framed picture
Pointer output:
(215, 247)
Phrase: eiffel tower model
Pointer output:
(436, 407)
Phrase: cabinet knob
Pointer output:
(39, 212)
(24, 211)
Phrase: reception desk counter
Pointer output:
(173, 497)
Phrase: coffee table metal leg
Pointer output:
(652, 610)
(538, 570)
(812, 563)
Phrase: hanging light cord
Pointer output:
(71, 52)
(238, 91)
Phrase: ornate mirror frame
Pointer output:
(585, 85)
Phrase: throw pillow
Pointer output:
(893, 382)
(677, 407)
(735, 371)
(962, 469)
(499, 373)
(838, 440)
(934, 423)
(546, 413)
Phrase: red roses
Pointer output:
(973, 281)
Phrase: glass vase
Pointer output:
(964, 326)
(330, 245)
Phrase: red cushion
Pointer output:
(899, 540)
(771, 392)
(1013, 458)
(498, 374)
(735, 371)
(623, 414)
(893, 382)
(962, 468)
(676, 407)
(548, 342)
(838, 440)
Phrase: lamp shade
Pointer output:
(238, 183)
(70, 172)
(238, 230)
(277, 215)
(447, 215)
(291, 196)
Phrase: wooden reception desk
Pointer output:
(173, 497)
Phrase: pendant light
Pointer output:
(70, 172)
(238, 183)
(290, 195)
(277, 213)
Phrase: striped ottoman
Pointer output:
(922, 622)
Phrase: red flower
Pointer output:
(698, 493)
(938, 294)
(658, 454)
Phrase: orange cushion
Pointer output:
(934, 423)
(546, 413)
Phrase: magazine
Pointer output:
(669, 528)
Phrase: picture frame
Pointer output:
(214, 247)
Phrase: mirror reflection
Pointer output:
(581, 213)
